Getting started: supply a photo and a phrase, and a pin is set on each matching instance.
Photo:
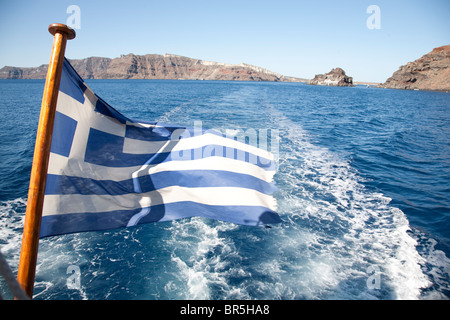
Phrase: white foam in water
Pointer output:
(198, 251)
(358, 246)
(12, 214)
(437, 266)
(56, 254)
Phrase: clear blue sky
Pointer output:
(296, 38)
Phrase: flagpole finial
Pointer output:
(62, 28)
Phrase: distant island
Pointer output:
(336, 77)
(430, 72)
(154, 66)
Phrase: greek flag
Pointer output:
(108, 171)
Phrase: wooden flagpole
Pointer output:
(32, 225)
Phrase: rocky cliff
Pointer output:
(430, 72)
(154, 66)
(336, 77)
(24, 73)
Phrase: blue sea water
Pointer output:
(363, 190)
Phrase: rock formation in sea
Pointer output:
(336, 77)
(430, 72)
(154, 66)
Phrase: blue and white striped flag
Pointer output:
(108, 171)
